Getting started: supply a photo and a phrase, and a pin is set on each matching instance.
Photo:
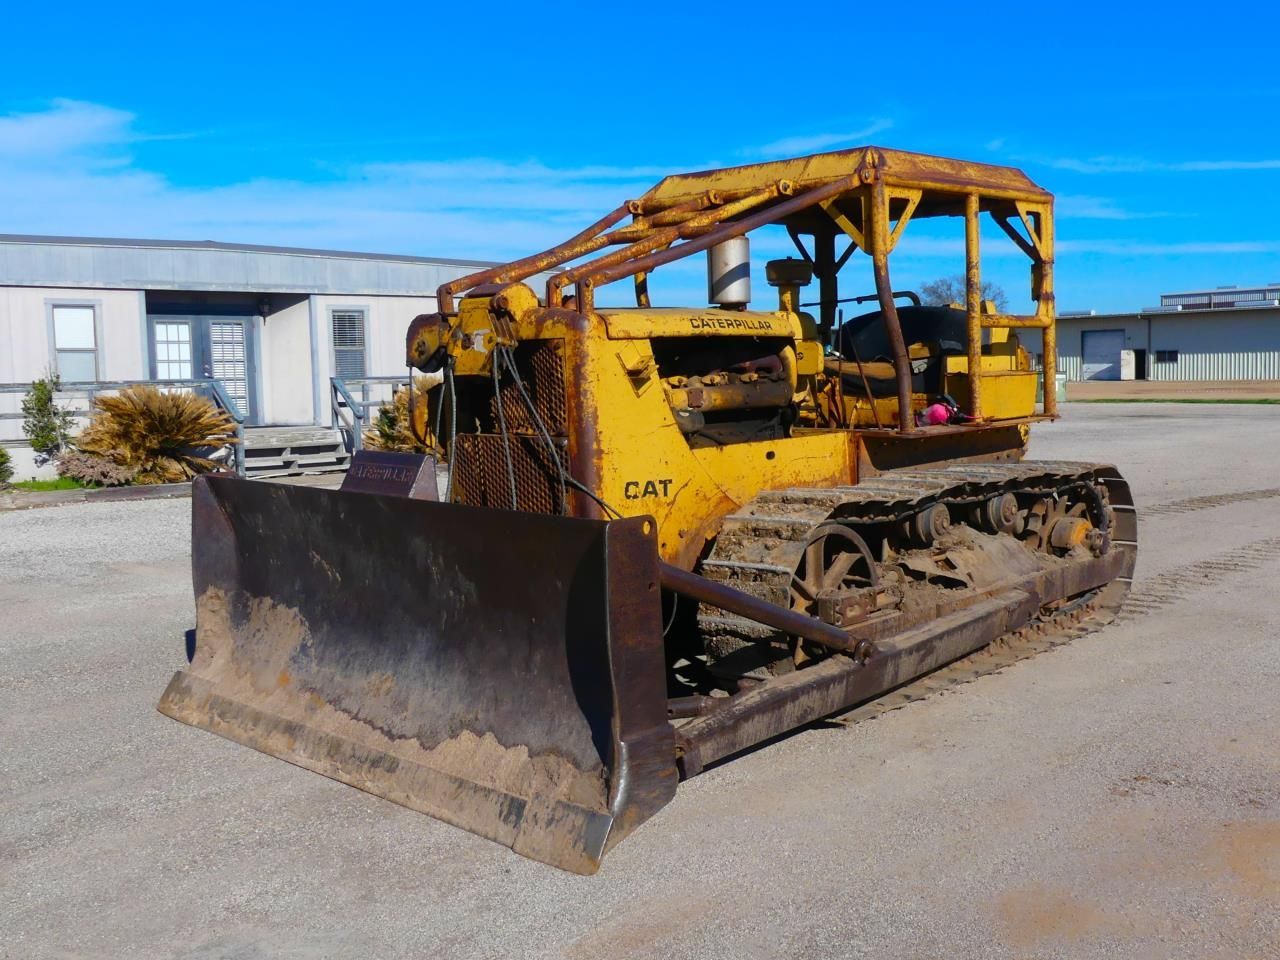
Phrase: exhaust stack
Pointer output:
(729, 274)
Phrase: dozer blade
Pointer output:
(501, 671)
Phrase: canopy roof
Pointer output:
(893, 167)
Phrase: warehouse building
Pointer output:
(1229, 333)
(273, 325)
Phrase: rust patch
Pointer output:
(1236, 864)
(649, 927)
(1034, 914)
(1250, 851)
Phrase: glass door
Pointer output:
(171, 349)
(205, 347)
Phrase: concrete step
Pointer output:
(293, 451)
(268, 437)
(280, 473)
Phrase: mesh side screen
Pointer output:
(541, 366)
(481, 473)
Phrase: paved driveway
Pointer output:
(1116, 798)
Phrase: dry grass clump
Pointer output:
(164, 437)
(93, 470)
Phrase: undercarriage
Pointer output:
(919, 568)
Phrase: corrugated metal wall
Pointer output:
(1069, 363)
(1211, 345)
(1222, 345)
(1220, 366)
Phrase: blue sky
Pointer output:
(488, 131)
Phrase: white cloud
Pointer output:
(1084, 207)
(1129, 164)
(68, 170)
(68, 129)
(997, 248)
(800, 145)
(482, 184)
(1139, 248)
(1199, 165)
(1094, 164)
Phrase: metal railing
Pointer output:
(351, 416)
(213, 390)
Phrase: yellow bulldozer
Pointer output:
(666, 534)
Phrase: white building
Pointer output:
(272, 324)
(1229, 333)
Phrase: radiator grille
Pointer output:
(541, 366)
(480, 466)
(481, 473)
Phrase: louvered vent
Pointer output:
(348, 343)
(228, 361)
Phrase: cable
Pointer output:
(453, 428)
(435, 433)
(565, 477)
(509, 360)
(671, 620)
(506, 437)
(603, 504)
(504, 356)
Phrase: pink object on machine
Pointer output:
(935, 414)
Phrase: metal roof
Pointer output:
(1227, 291)
(117, 263)
(1156, 313)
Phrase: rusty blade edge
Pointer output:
(564, 835)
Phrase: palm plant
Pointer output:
(390, 427)
(166, 437)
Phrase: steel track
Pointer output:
(759, 546)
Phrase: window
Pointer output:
(75, 343)
(348, 343)
(173, 351)
(1166, 356)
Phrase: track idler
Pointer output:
(998, 514)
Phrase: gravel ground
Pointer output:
(1119, 797)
